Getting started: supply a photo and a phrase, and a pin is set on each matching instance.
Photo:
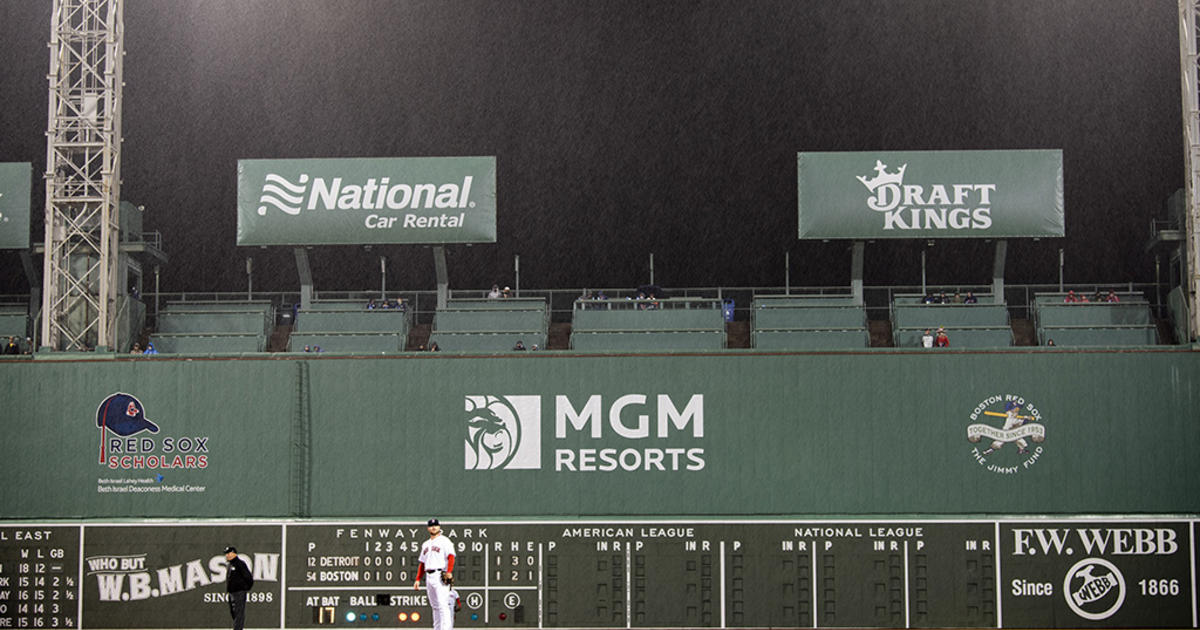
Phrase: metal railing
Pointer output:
(561, 302)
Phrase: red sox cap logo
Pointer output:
(124, 415)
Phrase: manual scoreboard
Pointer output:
(611, 574)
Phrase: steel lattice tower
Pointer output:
(83, 174)
(1189, 58)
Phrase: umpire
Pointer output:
(238, 581)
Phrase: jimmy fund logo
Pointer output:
(927, 206)
(378, 194)
(632, 432)
(1022, 425)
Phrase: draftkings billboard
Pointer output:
(930, 194)
(367, 201)
(15, 178)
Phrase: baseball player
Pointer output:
(1012, 420)
(437, 557)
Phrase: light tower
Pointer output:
(1189, 58)
(83, 174)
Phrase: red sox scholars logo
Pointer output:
(1012, 447)
(503, 432)
(125, 442)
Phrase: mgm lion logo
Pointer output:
(503, 432)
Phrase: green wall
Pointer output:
(786, 434)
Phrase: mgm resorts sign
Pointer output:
(930, 194)
(354, 201)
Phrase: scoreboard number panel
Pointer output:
(39, 576)
(1023, 573)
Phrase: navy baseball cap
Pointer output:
(231, 549)
(431, 522)
(124, 415)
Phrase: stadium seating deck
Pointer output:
(983, 324)
(348, 326)
(1128, 322)
(347, 342)
(207, 343)
(648, 325)
(491, 325)
(808, 322)
(14, 322)
(205, 327)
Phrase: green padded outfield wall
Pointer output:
(729, 434)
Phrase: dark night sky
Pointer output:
(627, 127)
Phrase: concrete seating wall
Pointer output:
(1094, 324)
(489, 320)
(490, 325)
(647, 340)
(1105, 336)
(839, 339)
(207, 343)
(252, 306)
(635, 319)
(14, 322)
(682, 324)
(212, 321)
(207, 327)
(357, 320)
(1101, 314)
(815, 322)
(960, 337)
(949, 315)
(773, 316)
(478, 341)
(348, 341)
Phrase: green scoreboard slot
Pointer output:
(1022, 573)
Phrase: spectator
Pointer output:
(307, 348)
(1049, 342)
(150, 349)
(942, 299)
(1098, 296)
(506, 293)
(12, 347)
(1083, 298)
(136, 349)
(317, 349)
(1112, 297)
(434, 347)
(958, 299)
(929, 299)
(494, 294)
(28, 345)
(533, 348)
(941, 340)
(970, 299)
(371, 304)
(520, 345)
(385, 305)
(927, 339)
(1070, 299)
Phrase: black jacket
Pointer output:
(238, 577)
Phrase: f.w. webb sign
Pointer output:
(367, 200)
(930, 194)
